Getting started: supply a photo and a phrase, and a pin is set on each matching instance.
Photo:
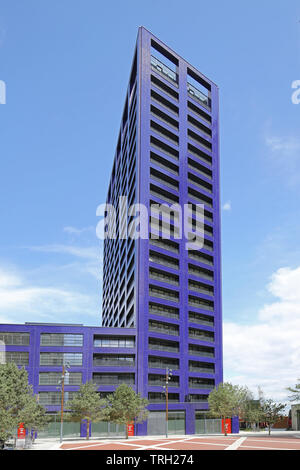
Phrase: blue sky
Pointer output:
(66, 66)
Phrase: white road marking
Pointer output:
(235, 445)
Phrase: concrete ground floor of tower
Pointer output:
(185, 420)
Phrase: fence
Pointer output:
(208, 426)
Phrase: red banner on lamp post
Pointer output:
(21, 431)
(227, 426)
(130, 429)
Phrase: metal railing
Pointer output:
(198, 95)
(163, 70)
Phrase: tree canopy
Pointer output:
(295, 392)
(87, 405)
(227, 400)
(126, 406)
(17, 402)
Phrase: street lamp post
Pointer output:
(166, 388)
(65, 372)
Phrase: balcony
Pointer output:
(201, 335)
(162, 328)
(201, 351)
(163, 70)
(199, 96)
(113, 380)
(103, 362)
(201, 319)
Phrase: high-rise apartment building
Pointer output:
(162, 312)
(167, 153)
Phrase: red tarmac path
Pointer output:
(234, 442)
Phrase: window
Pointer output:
(164, 260)
(114, 342)
(165, 88)
(58, 339)
(201, 288)
(14, 338)
(113, 361)
(156, 397)
(197, 398)
(54, 398)
(162, 345)
(163, 310)
(156, 380)
(113, 379)
(201, 272)
(163, 328)
(20, 358)
(167, 294)
(200, 126)
(163, 63)
(164, 148)
(58, 359)
(201, 335)
(165, 244)
(164, 163)
(201, 319)
(202, 156)
(162, 363)
(53, 378)
(196, 382)
(164, 132)
(202, 367)
(164, 117)
(163, 101)
(206, 117)
(162, 276)
(201, 257)
(195, 350)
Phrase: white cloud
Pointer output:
(283, 151)
(79, 231)
(8, 279)
(285, 145)
(89, 252)
(267, 353)
(23, 301)
(227, 206)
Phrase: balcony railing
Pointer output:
(161, 383)
(165, 331)
(198, 352)
(202, 386)
(112, 363)
(113, 381)
(201, 337)
(198, 95)
(200, 321)
(163, 70)
(201, 370)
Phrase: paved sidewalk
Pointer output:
(54, 443)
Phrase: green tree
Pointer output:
(87, 405)
(227, 400)
(17, 403)
(251, 411)
(33, 415)
(295, 392)
(271, 412)
(125, 406)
